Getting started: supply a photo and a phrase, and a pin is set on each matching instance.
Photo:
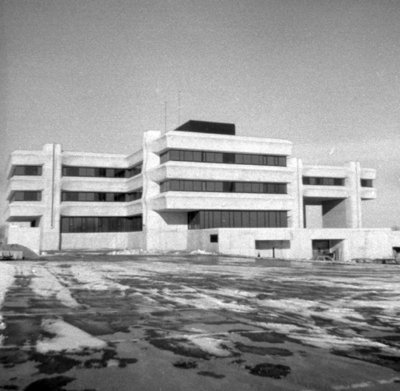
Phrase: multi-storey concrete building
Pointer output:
(197, 187)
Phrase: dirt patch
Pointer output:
(372, 355)
(54, 363)
(264, 336)
(263, 350)
(276, 371)
(211, 374)
(185, 364)
(179, 346)
(50, 384)
(10, 357)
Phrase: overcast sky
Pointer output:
(94, 75)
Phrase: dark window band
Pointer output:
(367, 183)
(322, 181)
(204, 219)
(102, 172)
(27, 170)
(81, 196)
(26, 196)
(101, 224)
(223, 157)
(223, 186)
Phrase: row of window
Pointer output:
(100, 196)
(237, 219)
(101, 224)
(26, 196)
(27, 170)
(322, 181)
(102, 172)
(223, 186)
(223, 157)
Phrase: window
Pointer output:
(101, 224)
(322, 181)
(222, 157)
(223, 186)
(204, 219)
(101, 171)
(367, 183)
(74, 196)
(27, 170)
(26, 196)
(213, 238)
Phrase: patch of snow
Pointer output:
(201, 252)
(204, 301)
(45, 284)
(133, 251)
(68, 338)
(93, 279)
(209, 345)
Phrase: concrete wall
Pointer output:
(102, 240)
(25, 236)
(334, 214)
(350, 243)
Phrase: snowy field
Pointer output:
(198, 323)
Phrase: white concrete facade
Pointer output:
(322, 203)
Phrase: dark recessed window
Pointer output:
(213, 238)
(204, 219)
(86, 196)
(100, 224)
(101, 171)
(322, 181)
(222, 157)
(27, 170)
(26, 196)
(367, 183)
(223, 186)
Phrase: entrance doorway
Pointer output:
(332, 248)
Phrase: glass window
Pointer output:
(246, 159)
(188, 156)
(197, 186)
(188, 185)
(210, 186)
(253, 219)
(196, 156)
(225, 220)
(219, 187)
(247, 187)
(218, 157)
(366, 183)
(228, 158)
(213, 238)
(173, 155)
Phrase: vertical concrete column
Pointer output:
(151, 219)
(353, 202)
(51, 197)
(295, 190)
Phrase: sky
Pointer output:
(94, 75)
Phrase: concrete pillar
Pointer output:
(295, 190)
(162, 231)
(51, 197)
(353, 202)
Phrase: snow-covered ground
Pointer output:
(209, 308)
